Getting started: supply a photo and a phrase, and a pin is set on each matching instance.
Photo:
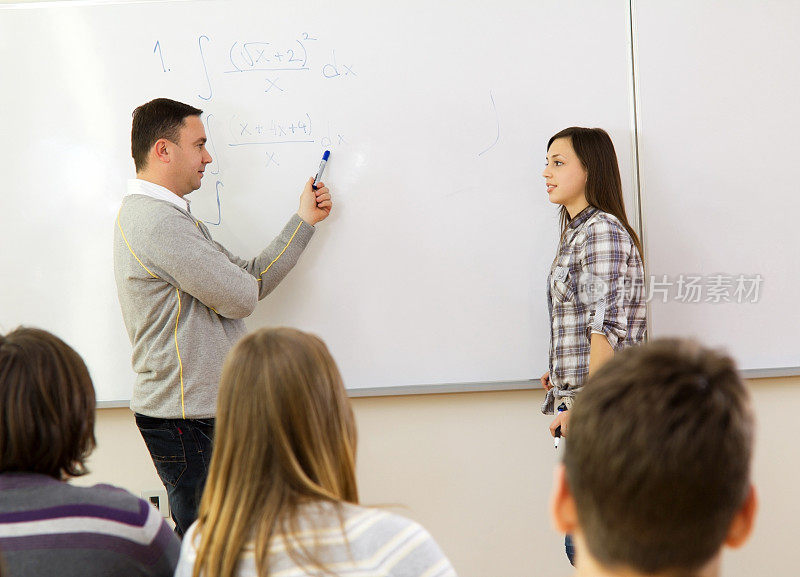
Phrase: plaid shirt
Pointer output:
(596, 285)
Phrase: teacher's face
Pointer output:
(565, 176)
(189, 156)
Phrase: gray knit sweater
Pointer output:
(183, 298)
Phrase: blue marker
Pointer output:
(321, 168)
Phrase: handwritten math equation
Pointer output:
(270, 57)
(244, 131)
(272, 68)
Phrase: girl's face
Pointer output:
(565, 176)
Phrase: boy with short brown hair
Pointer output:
(656, 471)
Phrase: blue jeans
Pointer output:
(181, 452)
(569, 547)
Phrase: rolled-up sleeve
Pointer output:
(604, 266)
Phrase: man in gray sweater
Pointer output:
(183, 295)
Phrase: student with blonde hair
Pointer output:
(281, 497)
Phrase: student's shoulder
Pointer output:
(403, 542)
(603, 225)
(102, 509)
(47, 492)
(382, 522)
(357, 519)
(377, 538)
(142, 522)
(603, 220)
(108, 497)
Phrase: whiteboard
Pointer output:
(720, 192)
(431, 269)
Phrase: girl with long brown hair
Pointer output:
(281, 496)
(595, 293)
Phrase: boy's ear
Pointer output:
(743, 521)
(562, 506)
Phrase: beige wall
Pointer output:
(475, 469)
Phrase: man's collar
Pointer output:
(153, 190)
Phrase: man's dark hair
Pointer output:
(47, 405)
(658, 456)
(159, 118)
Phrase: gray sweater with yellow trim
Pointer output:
(183, 298)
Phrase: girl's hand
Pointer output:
(546, 381)
(561, 420)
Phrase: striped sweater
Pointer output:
(374, 543)
(183, 297)
(49, 527)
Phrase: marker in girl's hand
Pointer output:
(321, 168)
(557, 434)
